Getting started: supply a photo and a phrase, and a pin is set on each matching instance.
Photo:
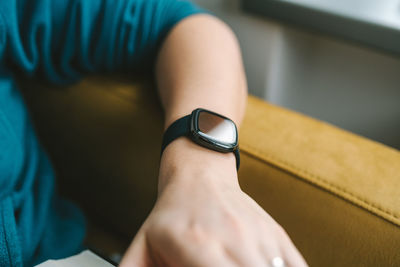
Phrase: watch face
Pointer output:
(215, 129)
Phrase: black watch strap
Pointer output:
(181, 127)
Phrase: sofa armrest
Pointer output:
(335, 193)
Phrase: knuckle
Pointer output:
(168, 231)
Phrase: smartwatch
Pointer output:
(207, 129)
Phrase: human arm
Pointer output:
(202, 218)
(62, 40)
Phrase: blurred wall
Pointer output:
(351, 86)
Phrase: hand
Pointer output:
(204, 219)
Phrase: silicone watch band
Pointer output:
(181, 127)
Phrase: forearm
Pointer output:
(200, 65)
(202, 217)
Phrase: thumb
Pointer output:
(137, 254)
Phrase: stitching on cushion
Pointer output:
(259, 154)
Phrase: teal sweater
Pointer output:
(61, 41)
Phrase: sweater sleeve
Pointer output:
(62, 40)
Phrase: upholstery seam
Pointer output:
(270, 159)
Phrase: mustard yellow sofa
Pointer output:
(336, 194)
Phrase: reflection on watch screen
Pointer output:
(217, 128)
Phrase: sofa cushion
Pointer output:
(335, 193)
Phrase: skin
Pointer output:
(202, 217)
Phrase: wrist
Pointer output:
(184, 160)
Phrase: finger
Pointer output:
(293, 257)
(273, 243)
(291, 254)
(246, 259)
(244, 255)
(270, 251)
(180, 252)
(136, 255)
(211, 255)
